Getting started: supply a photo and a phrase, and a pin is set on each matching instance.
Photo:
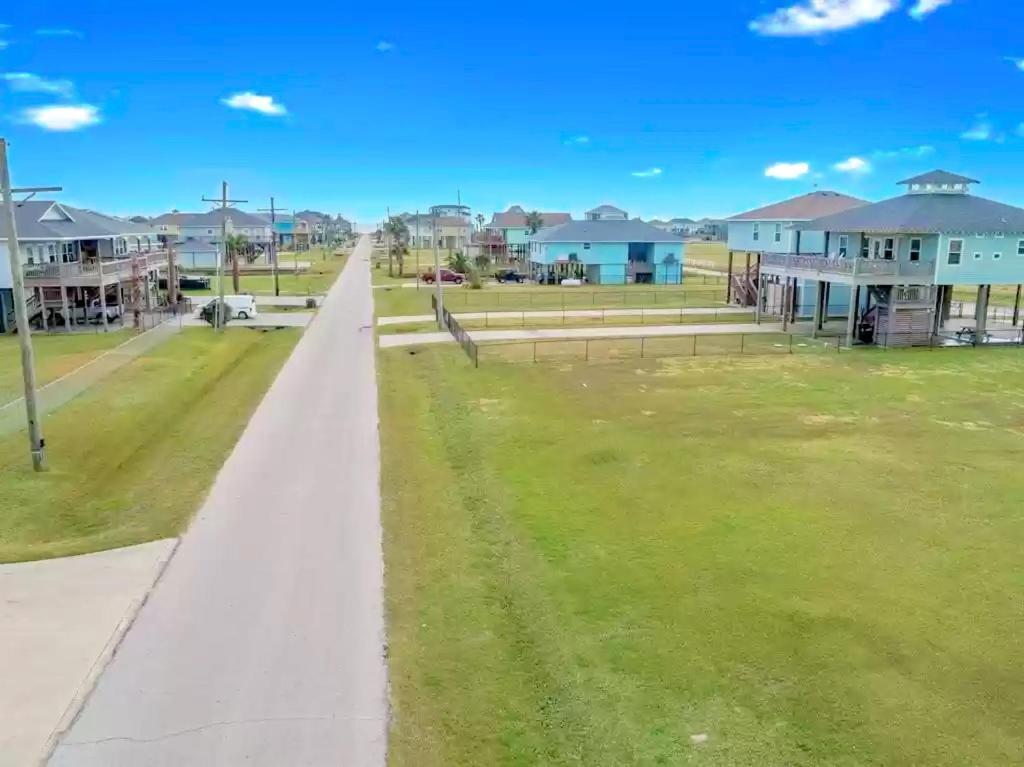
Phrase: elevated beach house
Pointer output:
(607, 251)
(73, 257)
(901, 257)
(770, 229)
(513, 230)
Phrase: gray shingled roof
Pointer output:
(513, 219)
(86, 224)
(213, 218)
(939, 177)
(925, 214)
(606, 209)
(806, 206)
(605, 231)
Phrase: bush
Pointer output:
(475, 283)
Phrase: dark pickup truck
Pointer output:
(509, 275)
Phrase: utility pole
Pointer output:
(224, 250)
(28, 362)
(437, 275)
(419, 244)
(273, 241)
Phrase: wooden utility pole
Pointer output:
(224, 252)
(387, 242)
(437, 276)
(37, 444)
(172, 276)
(273, 211)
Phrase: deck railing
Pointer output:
(867, 267)
(121, 265)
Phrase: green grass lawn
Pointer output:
(56, 355)
(1001, 295)
(399, 301)
(314, 281)
(132, 458)
(813, 560)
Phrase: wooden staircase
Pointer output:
(744, 287)
(34, 308)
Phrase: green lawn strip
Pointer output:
(1001, 295)
(812, 559)
(316, 280)
(56, 355)
(132, 458)
(399, 301)
(513, 323)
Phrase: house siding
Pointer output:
(1007, 270)
(607, 262)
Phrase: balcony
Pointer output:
(848, 270)
(89, 272)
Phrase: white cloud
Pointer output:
(62, 117)
(853, 165)
(26, 82)
(649, 173)
(923, 7)
(58, 32)
(1020, 129)
(981, 130)
(577, 140)
(3, 44)
(384, 46)
(254, 102)
(816, 17)
(787, 170)
(1017, 62)
(921, 150)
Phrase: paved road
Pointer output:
(537, 334)
(559, 313)
(263, 642)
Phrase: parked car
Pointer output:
(509, 275)
(447, 275)
(209, 311)
(94, 312)
(188, 282)
(242, 307)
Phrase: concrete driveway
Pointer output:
(263, 642)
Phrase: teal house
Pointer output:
(900, 259)
(513, 230)
(607, 252)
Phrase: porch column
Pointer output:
(64, 307)
(947, 303)
(785, 304)
(1016, 308)
(981, 313)
(103, 299)
(42, 309)
(820, 290)
(728, 282)
(759, 298)
(851, 319)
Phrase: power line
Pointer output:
(224, 253)
(273, 211)
(28, 362)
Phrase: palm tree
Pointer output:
(534, 221)
(480, 221)
(235, 244)
(399, 234)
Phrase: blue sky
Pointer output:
(677, 108)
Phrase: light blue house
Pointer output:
(513, 230)
(901, 257)
(771, 229)
(607, 252)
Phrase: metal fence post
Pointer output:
(742, 337)
(695, 345)
(790, 343)
(534, 351)
(642, 340)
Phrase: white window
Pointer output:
(956, 249)
(757, 232)
(996, 256)
(209, 231)
(67, 251)
(586, 246)
(778, 233)
(30, 257)
(51, 252)
(977, 256)
(844, 245)
(889, 250)
(915, 249)
(1020, 247)
(1000, 235)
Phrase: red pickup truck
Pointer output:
(447, 275)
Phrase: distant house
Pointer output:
(769, 229)
(900, 258)
(449, 232)
(198, 235)
(608, 251)
(73, 256)
(451, 211)
(512, 228)
(606, 213)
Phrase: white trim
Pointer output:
(949, 250)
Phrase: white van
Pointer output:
(242, 307)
